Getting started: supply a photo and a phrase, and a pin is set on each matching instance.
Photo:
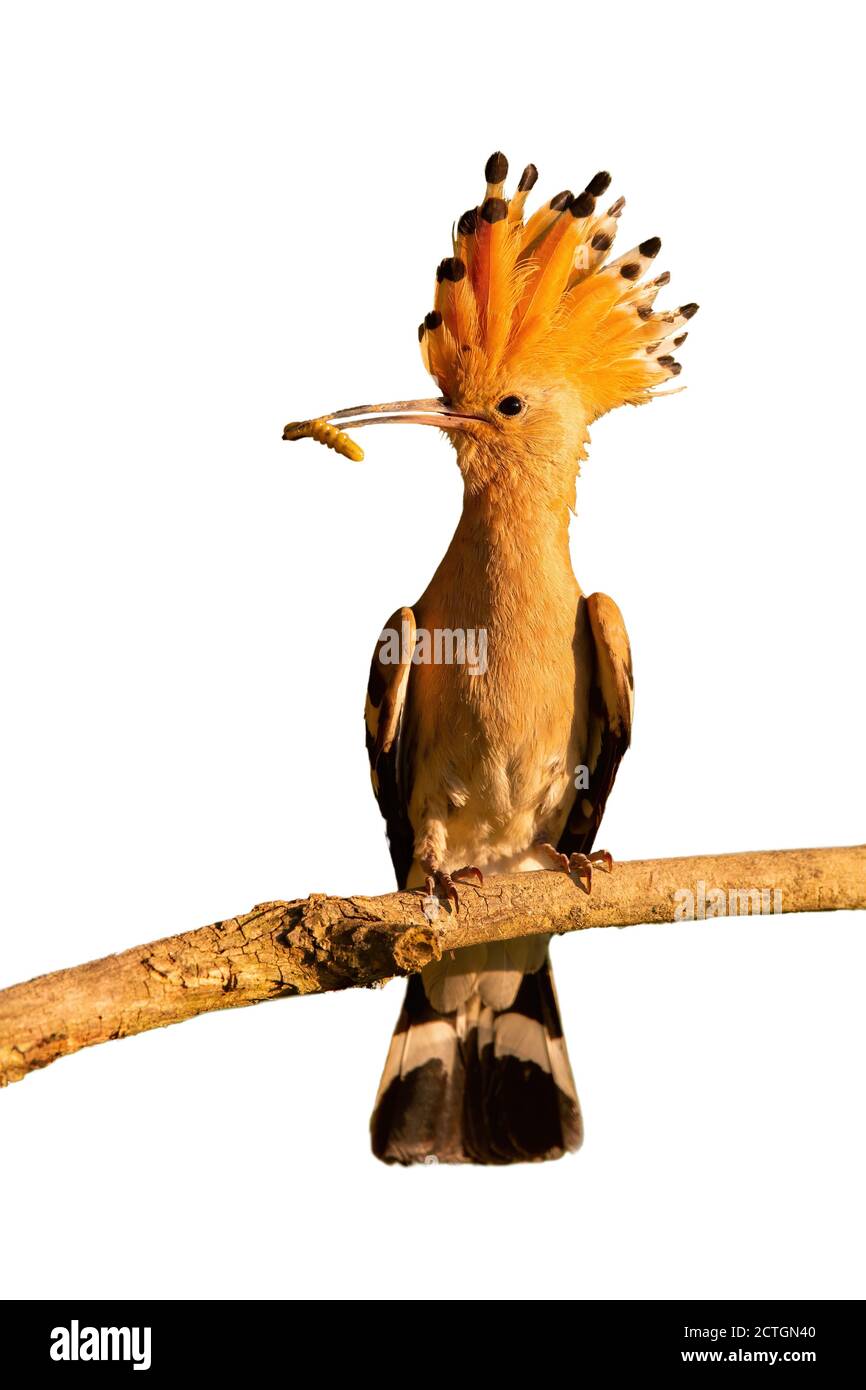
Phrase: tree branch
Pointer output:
(321, 943)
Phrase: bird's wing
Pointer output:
(390, 670)
(610, 716)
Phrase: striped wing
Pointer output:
(387, 687)
(611, 706)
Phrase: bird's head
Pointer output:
(535, 332)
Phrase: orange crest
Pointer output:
(539, 297)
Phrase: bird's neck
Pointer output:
(515, 529)
(509, 557)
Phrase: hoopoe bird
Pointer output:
(535, 333)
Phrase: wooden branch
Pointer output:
(321, 943)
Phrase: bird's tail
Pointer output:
(485, 1079)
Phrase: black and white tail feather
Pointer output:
(486, 1082)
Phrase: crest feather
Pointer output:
(541, 296)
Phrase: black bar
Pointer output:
(168, 1338)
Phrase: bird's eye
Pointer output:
(510, 405)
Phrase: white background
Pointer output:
(221, 217)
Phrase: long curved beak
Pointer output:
(434, 411)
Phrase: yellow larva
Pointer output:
(325, 434)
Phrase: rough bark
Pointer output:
(322, 943)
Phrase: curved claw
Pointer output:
(581, 864)
(468, 871)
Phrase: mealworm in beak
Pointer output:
(325, 434)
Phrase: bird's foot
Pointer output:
(579, 864)
(582, 865)
(445, 884)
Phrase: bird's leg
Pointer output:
(444, 883)
(580, 864)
